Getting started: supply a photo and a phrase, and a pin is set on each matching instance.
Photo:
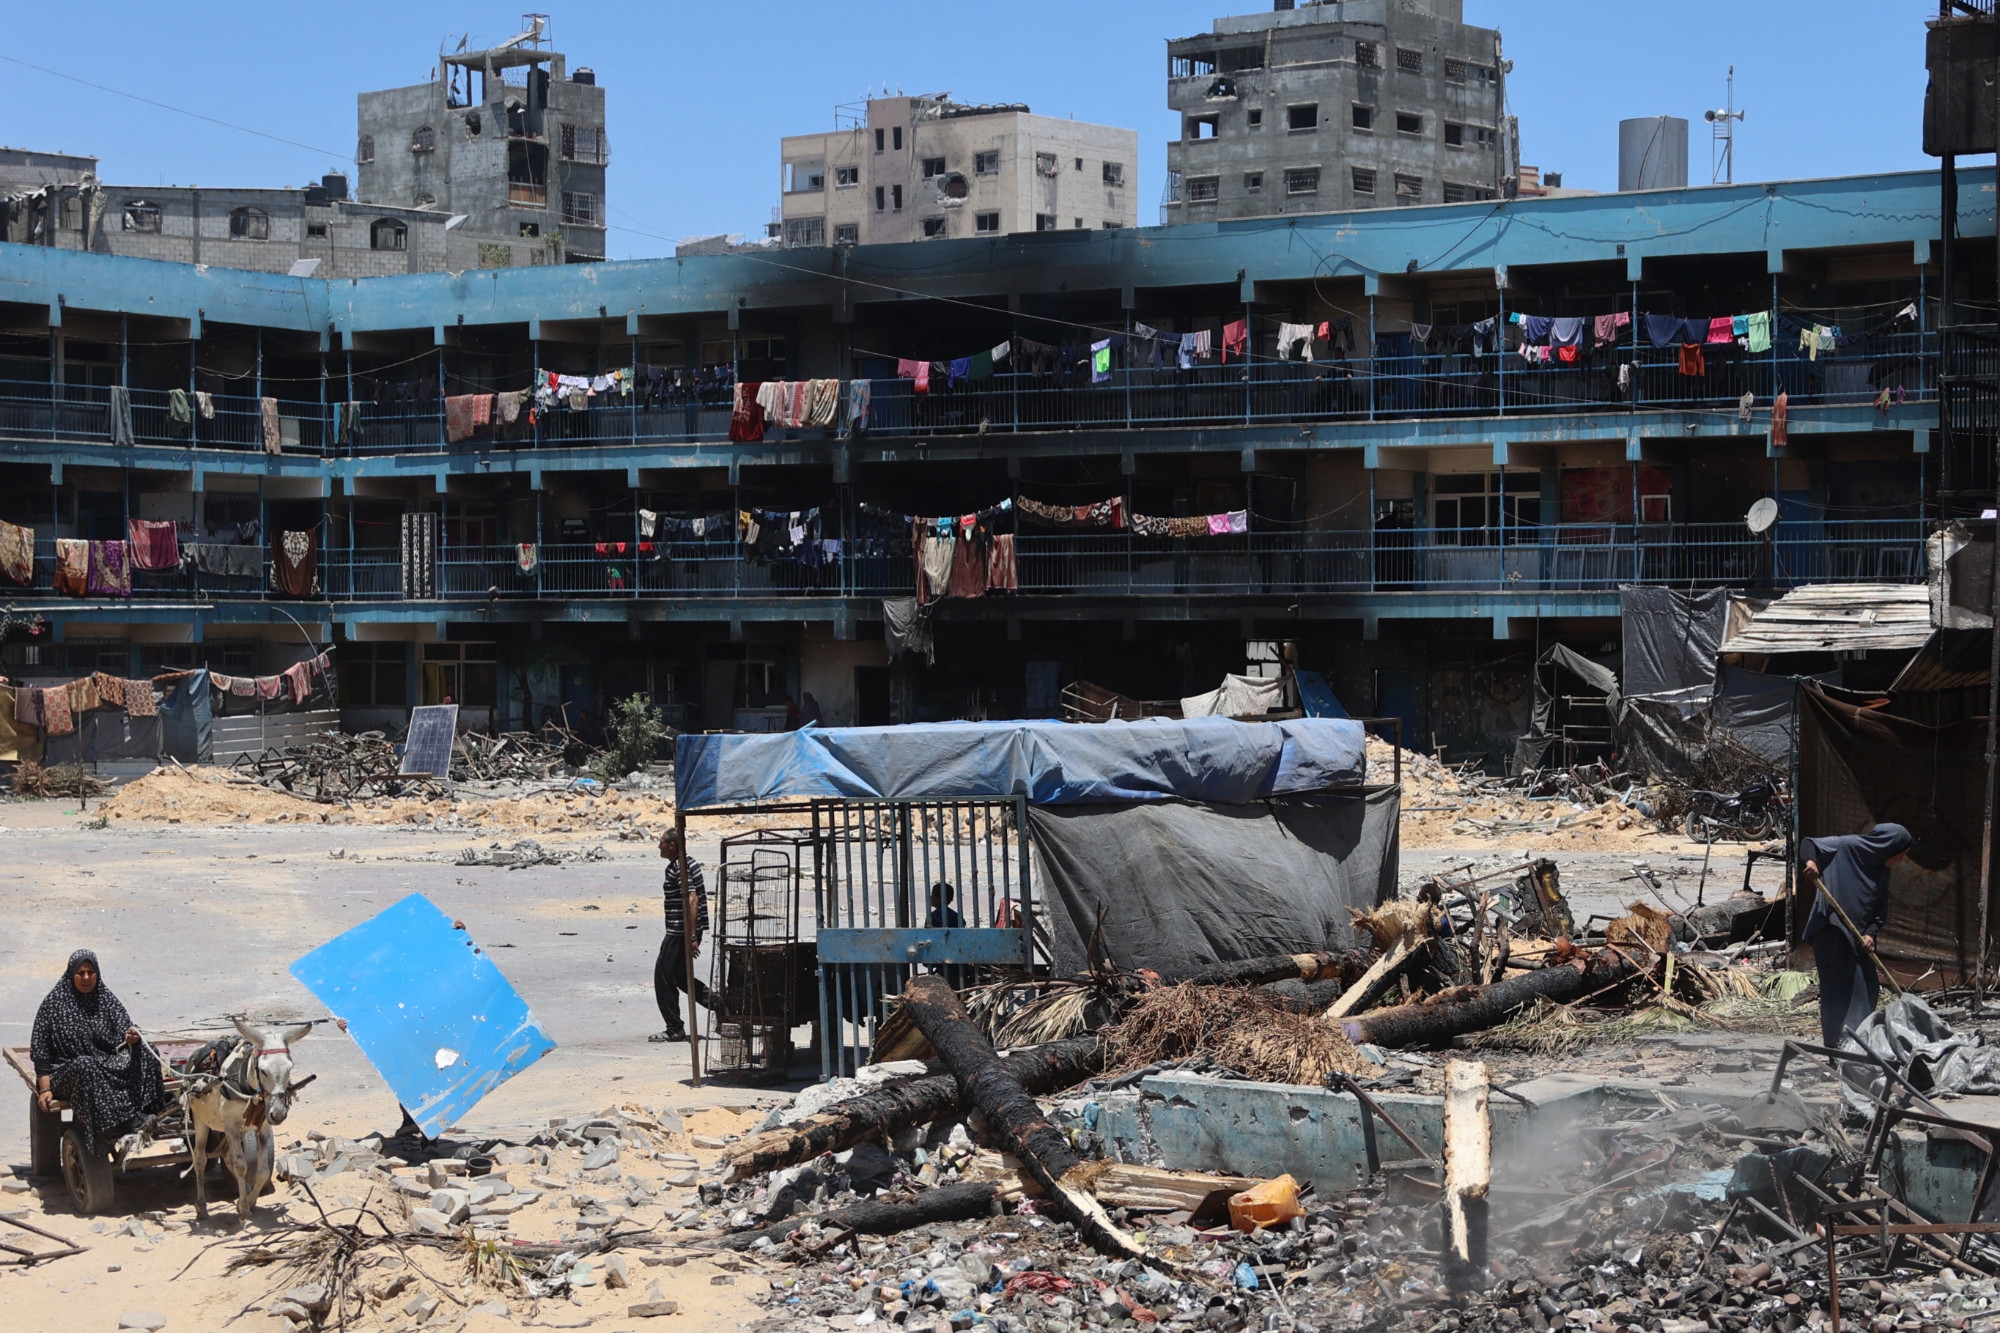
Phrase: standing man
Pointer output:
(670, 978)
(1854, 871)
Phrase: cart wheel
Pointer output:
(44, 1140)
(88, 1175)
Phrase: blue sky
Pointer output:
(699, 94)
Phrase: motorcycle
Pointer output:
(1755, 814)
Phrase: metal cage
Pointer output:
(763, 965)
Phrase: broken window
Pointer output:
(986, 222)
(1046, 164)
(142, 215)
(846, 176)
(896, 138)
(424, 140)
(987, 163)
(472, 125)
(423, 199)
(1482, 136)
(388, 234)
(316, 231)
(1112, 226)
(1238, 58)
(1114, 173)
(1410, 62)
(1204, 189)
(1486, 73)
(372, 674)
(933, 166)
(1191, 66)
(805, 232)
(878, 141)
(1367, 55)
(934, 226)
(530, 230)
(582, 210)
(1253, 182)
(1203, 127)
(1409, 189)
(1454, 71)
(847, 233)
(881, 198)
(249, 224)
(896, 198)
(1255, 119)
(69, 213)
(585, 143)
(1364, 118)
(1302, 119)
(1454, 135)
(954, 185)
(804, 177)
(1364, 180)
(1045, 222)
(1407, 123)
(528, 173)
(364, 148)
(1302, 180)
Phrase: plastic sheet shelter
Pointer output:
(1861, 764)
(427, 1007)
(1671, 638)
(1050, 763)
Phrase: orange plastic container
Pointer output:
(1270, 1204)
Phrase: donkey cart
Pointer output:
(56, 1149)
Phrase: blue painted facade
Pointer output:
(1413, 515)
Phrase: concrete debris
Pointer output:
(526, 852)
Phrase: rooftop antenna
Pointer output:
(1722, 137)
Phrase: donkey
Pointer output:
(250, 1093)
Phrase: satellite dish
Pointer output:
(1762, 515)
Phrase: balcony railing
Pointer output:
(1388, 388)
(1556, 558)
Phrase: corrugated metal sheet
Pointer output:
(1953, 659)
(1838, 617)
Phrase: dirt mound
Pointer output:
(212, 796)
(1441, 810)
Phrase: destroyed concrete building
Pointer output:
(929, 168)
(1316, 107)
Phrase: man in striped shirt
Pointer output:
(670, 978)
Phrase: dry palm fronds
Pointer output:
(1237, 1028)
(1029, 1013)
(1400, 919)
(32, 779)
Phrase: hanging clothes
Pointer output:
(83, 696)
(1484, 337)
(1534, 328)
(1663, 330)
(746, 418)
(178, 410)
(1780, 409)
(918, 372)
(937, 558)
(968, 568)
(28, 708)
(860, 396)
(1744, 404)
(1236, 338)
(204, 404)
(526, 557)
(109, 572)
(274, 440)
(1691, 360)
(155, 544)
(140, 700)
(1604, 328)
(1758, 336)
(57, 719)
(1194, 347)
(1722, 329)
(17, 553)
(1295, 342)
(649, 523)
(1566, 332)
(121, 414)
(418, 548)
(458, 417)
(1100, 361)
(1001, 575)
(295, 561)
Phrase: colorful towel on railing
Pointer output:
(82, 695)
(155, 543)
(1103, 514)
(860, 395)
(458, 421)
(110, 689)
(1001, 575)
(140, 700)
(57, 720)
(295, 564)
(72, 565)
(526, 557)
(274, 440)
(746, 417)
(204, 404)
(109, 572)
(17, 553)
(1236, 338)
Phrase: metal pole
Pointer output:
(689, 924)
(1992, 718)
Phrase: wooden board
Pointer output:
(1117, 1185)
(427, 749)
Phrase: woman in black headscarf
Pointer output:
(1854, 871)
(87, 1053)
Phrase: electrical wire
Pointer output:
(179, 111)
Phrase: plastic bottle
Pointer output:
(1268, 1204)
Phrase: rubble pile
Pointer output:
(1448, 804)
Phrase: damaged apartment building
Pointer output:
(928, 168)
(1356, 104)
(1326, 443)
(497, 161)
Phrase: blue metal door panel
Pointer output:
(931, 946)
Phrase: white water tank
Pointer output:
(1653, 153)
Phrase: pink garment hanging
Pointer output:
(920, 371)
(268, 686)
(1218, 525)
(1722, 329)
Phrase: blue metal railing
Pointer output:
(1384, 388)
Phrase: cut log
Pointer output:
(1280, 967)
(1117, 1185)
(1012, 1112)
(918, 1101)
(950, 1203)
(1454, 1013)
(1384, 969)
(1468, 1169)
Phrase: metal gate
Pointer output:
(881, 871)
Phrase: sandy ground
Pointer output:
(197, 895)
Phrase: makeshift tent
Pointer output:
(1652, 737)
(1860, 765)
(1671, 638)
(1754, 710)
(1050, 763)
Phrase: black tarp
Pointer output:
(1754, 710)
(1671, 639)
(1184, 884)
(1860, 765)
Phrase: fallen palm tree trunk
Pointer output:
(1281, 967)
(1008, 1107)
(1050, 1068)
(1454, 1013)
(950, 1203)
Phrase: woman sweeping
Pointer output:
(87, 1053)
(1854, 871)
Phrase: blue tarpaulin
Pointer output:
(1207, 759)
(427, 1007)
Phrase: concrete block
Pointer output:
(454, 1204)
(429, 1222)
(652, 1309)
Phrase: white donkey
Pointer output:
(251, 1093)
